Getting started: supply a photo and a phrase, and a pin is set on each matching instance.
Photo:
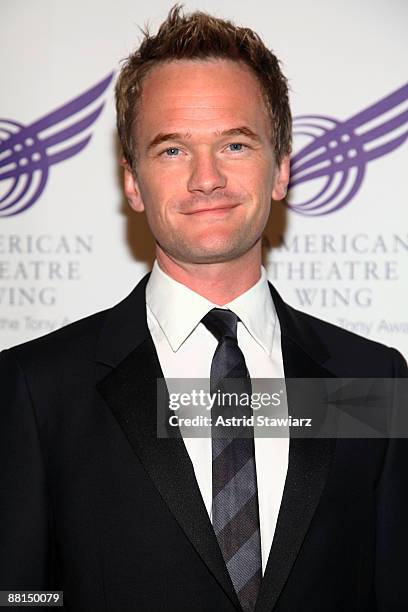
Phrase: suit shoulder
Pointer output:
(105, 337)
(339, 334)
(76, 340)
(349, 347)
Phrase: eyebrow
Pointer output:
(160, 137)
(238, 131)
(243, 130)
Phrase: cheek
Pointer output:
(163, 184)
(256, 176)
(159, 209)
(258, 185)
(153, 193)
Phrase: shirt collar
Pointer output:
(178, 310)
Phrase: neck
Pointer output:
(219, 283)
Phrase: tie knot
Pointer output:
(221, 323)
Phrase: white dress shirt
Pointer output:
(185, 349)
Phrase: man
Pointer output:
(96, 504)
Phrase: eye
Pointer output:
(236, 147)
(171, 152)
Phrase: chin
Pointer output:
(212, 253)
(210, 248)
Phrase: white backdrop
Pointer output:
(77, 248)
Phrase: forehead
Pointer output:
(201, 93)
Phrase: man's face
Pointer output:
(205, 171)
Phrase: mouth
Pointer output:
(216, 210)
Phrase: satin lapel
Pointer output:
(130, 391)
(309, 465)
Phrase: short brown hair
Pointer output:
(199, 36)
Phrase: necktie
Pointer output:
(235, 513)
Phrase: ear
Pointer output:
(280, 183)
(132, 191)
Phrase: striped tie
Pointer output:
(235, 513)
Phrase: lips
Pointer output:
(211, 209)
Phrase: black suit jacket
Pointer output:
(92, 502)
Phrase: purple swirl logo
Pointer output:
(331, 164)
(27, 152)
(330, 167)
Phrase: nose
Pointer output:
(206, 175)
